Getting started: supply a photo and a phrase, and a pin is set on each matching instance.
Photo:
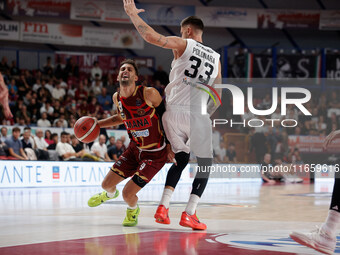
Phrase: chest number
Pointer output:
(209, 69)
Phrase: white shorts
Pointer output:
(188, 132)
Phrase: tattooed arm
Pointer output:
(114, 120)
(148, 33)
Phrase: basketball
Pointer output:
(86, 129)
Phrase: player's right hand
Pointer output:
(171, 155)
(130, 7)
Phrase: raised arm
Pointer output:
(148, 33)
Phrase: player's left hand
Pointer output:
(130, 7)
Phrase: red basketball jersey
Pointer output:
(141, 120)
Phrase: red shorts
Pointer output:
(145, 164)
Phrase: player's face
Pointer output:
(127, 74)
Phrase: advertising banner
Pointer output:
(168, 15)
(330, 20)
(112, 38)
(333, 67)
(298, 66)
(40, 32)
(39, 8)
(280, 19)
(227, 17)
(109, 11)
(312, 144)
(9, 30)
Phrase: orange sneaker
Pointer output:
(162, 215)
(191, 221)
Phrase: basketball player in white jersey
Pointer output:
(324, 239)
(186, 121)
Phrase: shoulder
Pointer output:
(150, 92)
(115, 96)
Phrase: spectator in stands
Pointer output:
(105, 100)
(34, 109)
(48, 137)
(46, 107)
(14, 145)
(77, 146)
(58, 92)
(3, 151)
(42, 152)
(55, 139)
(23, 116)
(99, 148)
(65, 150)
(23, 86)
(3, 134)
(231, 153)
(258, 143)
(97, 87)
(3, 65)
(14, 71)
(48, 67)
(28, 146)
(115, 154)
(43, 121)
(12, 87)
(49, 85)
(81, 93)
(220, 153)
(96, 71)
(61, 120)
(71, 69)
(111, 142)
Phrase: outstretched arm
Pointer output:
(4, 98)
(148, 33)
(113, 120)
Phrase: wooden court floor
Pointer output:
(242, 218)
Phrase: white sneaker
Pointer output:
(317, 239)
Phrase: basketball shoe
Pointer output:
(191, 221)
(131, 218)
(317, 239)
(100, 198)
(162, 215)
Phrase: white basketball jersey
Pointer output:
(190, 73)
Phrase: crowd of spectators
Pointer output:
(58, 95)
(23, 145)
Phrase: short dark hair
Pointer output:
(194, 21)
(15, 129)
(130, 62)
(63, 133)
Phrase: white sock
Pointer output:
(192, 204)
(166, 197)
(332, 222)
(110, 195)
(133, 207)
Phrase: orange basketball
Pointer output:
(86, 129)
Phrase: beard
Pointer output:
(124, 83)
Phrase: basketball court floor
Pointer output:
(242, 218)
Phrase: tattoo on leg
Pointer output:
(142, 29)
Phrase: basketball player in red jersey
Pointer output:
(188, 127)
(4, 98)
(140, 109)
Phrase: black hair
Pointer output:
(195, 21)
(130, 62)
